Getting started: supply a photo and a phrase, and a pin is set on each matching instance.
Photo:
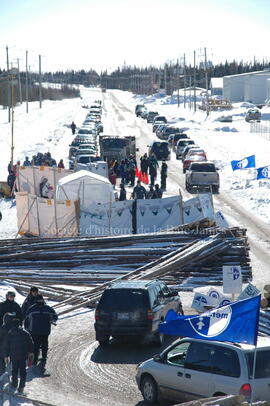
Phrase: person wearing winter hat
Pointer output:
(38, 322)
(18, 348)
(30, 300)
(10, 306)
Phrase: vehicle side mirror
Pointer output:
(158, 358)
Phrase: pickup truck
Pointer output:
(201, 176)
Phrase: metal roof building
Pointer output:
(250, 87)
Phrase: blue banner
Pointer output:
(264, 172)
(236, 323)
(245, 163)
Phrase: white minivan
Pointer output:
(191, 369)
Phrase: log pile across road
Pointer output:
(75, 271)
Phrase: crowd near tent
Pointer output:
(87, 187)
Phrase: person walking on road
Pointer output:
(10, 306)
(153, 165)
(139, 191)
(61, 164)
(18, 348)
(30, 300)
(38, 322)
(123, 193)
(163, 174)
(4, 329)
(73, 127)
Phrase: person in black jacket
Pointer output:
(123, 193)
(38, 322)
(30, 300)
(18, 347)
(4, 329)
(10, 306)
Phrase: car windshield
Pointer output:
(185, 142)
(114, 143)
(124, 299)
(84, 131)
(262, 363)
(203, 168)
(179, 137)
(84, 159)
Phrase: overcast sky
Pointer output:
(103, 34)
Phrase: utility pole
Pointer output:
(19, 81)
(165, 79)
(178, 84)
(40, 90)
(26, 80)
(8, 82)
(185, 81)
(206, 82)
(190, 92)
(194, 81)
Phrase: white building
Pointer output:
(216, 86)
(250, 87)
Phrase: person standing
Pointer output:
(10, 306)
(27, 162)
(131, 170)
(157, 192)
(30, 300)
(139, 191)
(38, 322)
(18, 348)
(163, 173)
(61, 164)
(150, 193)
(123, 193)
(73, 127)
(144, 164)
(123, 171)
(153, 165)
(4, 329)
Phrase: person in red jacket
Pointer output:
(61, 164)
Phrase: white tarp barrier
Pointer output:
(45, 217)
(198, 208)
(107, 219)
(87, 187)
(155, 215)
(29, 178)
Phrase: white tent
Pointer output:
(87, 187)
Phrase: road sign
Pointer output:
(232, 279)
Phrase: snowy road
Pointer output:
(82, 373)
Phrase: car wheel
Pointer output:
(159, 338)
(104, 340)
(149, 390)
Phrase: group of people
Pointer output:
(20, 344)
(150, 165)
(43, 160)
(126, 170)
(139, 192)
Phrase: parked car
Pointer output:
(171, 130)
(160, 129)
(192, 158)
(201, 176)
(160, 149)
(253, 115)
(161, 119)
(144, 113)
(190, 369)
(225, 119)
(196, 151)
(176, 137)
(180, 146)
(187, 149)
(151, 115)
(138, 109)
(134, 308)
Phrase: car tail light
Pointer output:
(97, 315)
(245, 390)
(150, 315)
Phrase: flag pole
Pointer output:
(255, 354)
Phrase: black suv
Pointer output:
(151, 115)
(134, 308)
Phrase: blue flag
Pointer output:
(248, 162)
(264, 172)
(236, 323)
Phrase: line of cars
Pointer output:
(200, 173)
(84, 148)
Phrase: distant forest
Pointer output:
(147, 79)
(144, 80)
